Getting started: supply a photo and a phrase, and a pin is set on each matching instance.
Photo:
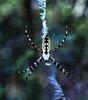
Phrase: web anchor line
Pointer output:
(46, 52)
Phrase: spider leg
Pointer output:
(63, 71)
(62, 42)
(32, 67)
(30, 43)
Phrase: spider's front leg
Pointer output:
(32, 68)
(58, 66)
(62, 42)
(30, 43)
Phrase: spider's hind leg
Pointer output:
(63, 71)
(31, 68)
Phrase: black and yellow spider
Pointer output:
(46, 54)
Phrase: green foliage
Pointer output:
(28, 54)
(2, 91)
(15, 14)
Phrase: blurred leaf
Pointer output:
(2, 91)
(23, 58)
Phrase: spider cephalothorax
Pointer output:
(46, 54)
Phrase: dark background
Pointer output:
(14, 15)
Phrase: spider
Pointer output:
(46, 54)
